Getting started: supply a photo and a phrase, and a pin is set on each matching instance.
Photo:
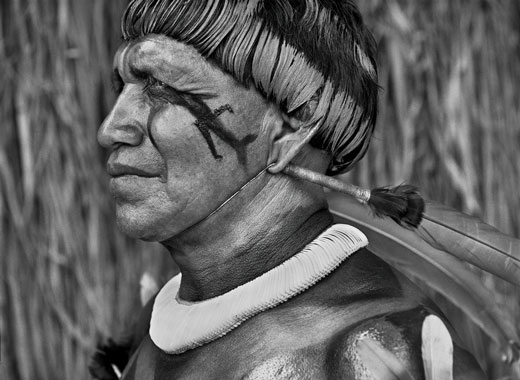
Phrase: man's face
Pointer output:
(184, 136)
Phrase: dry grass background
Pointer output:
(449, 122)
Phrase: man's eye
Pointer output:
(152, 84)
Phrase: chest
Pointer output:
(149, 363)
(296, 340)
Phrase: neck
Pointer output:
(259, 229)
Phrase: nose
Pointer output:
(121, 126)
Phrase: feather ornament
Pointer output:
(240, 56)
(365, 61)
(234, 52)
(339, 107)
(471, 240)
(205, 15)
(437, 349)
(430, 269)
(285, 60)
(463, 236)
(382, 364)
(292, 51)
(261, 67)
(311, 13)
(302, 80)
(403, 204)
(433, 255)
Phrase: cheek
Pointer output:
(201, 174)
(156, 217)
(179, 142)
(191, 171)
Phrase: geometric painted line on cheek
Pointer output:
(206, 120)
(210, 122)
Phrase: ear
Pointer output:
(287, 137)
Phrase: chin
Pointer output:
(134, 230)
(144, 227)
(136, 225)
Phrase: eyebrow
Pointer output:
(141, 74)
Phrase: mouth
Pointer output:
(116, 170)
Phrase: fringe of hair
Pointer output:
(292, 51)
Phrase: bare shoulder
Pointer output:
(400, 334)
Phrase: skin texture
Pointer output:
(184, 136)
(312, 336)
(168, 89)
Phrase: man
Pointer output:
(215, 97)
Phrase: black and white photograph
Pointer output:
(260, 190)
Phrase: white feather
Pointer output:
(437, 349)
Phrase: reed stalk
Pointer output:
(449, 123)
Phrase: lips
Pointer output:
(116, 169)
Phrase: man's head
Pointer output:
(207, 88)
(314, 58)
(184, 135)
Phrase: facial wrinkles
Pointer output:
(182, 72)
(181, 66)
(206, 119)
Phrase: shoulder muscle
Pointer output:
(400, 334)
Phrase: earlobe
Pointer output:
(289, 134)
(290, 143)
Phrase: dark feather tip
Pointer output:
(402, 203)
(109, 354)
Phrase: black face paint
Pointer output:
(210, 122)
(207, 120)
(220, 110)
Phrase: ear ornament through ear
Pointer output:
(402, 203)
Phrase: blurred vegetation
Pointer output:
(449, 122)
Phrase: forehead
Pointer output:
(171, 61)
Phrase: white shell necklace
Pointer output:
(177, 326)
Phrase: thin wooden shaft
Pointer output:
(362, 195)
